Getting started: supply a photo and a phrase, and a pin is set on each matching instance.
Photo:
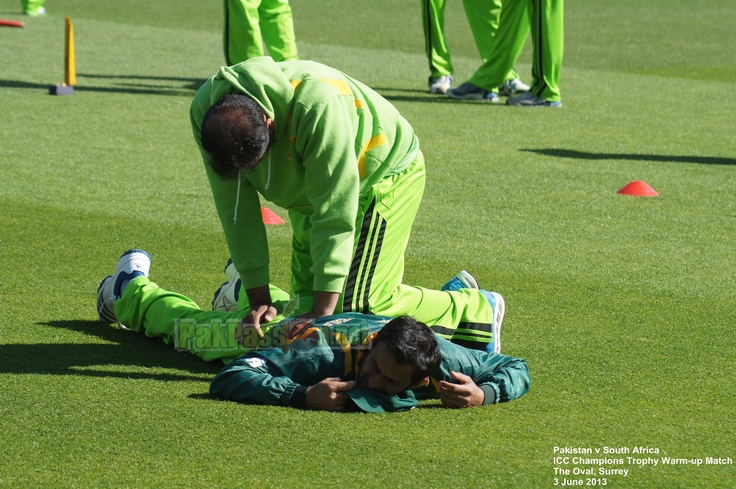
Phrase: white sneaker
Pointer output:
(132, 264)
(40, 11)
(499, 308)
(226, 297)
(498, 311)
(441, 84)
(509, 88)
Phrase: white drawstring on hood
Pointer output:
(237, 198)
(240, 176)
(268, 180)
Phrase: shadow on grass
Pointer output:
(102, 360)
(415, 95)
(186, 87)
(582, 155)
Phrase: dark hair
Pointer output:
(234, 134)
(411, 343)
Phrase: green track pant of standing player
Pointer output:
(546, 18)
(483, 19)
(31, 6)
(383, 225)
(251, 23)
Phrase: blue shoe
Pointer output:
(499, 308)
(463, 280)
(528, 99)
(132, 264)
(468, 91)
(226, 297)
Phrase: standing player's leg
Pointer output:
(33, 7)
(438, 53)
(548, 39)
(513, 29)
(277, 26)
(242, 36)
(483, 18)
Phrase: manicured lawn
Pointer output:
(623, 307)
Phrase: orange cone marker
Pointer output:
(11, 23)
(638, 188)
(270, 217)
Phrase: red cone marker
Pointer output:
(270, 217)
(11, 23)
(639, 189)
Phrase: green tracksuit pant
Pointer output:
(483, 19)
(30, 6)
(251, 23)
(146, 308)
(546, 18)
(374, 284)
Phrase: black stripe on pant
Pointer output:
(371, 237)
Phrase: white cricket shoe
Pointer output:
(226, 297)
(509, 88)
(499, 309)
(133, 263)
(441, 84)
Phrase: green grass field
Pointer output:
(623, 307)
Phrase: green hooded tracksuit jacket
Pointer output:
(347, 167)
(270, 371)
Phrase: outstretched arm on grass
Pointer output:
(251, 379)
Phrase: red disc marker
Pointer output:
(638, 189)
(270, 217)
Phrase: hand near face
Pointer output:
(329, 394)
(462, 394)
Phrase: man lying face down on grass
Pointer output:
(341, 362)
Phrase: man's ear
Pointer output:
(270, 124)
(421, 383)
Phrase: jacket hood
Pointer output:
(262, 79)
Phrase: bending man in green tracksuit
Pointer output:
(347, 167)
(336, 363)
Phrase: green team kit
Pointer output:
(251, 23)
(347, 167)
(274, 371)
(545, 18)
(483, 19)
